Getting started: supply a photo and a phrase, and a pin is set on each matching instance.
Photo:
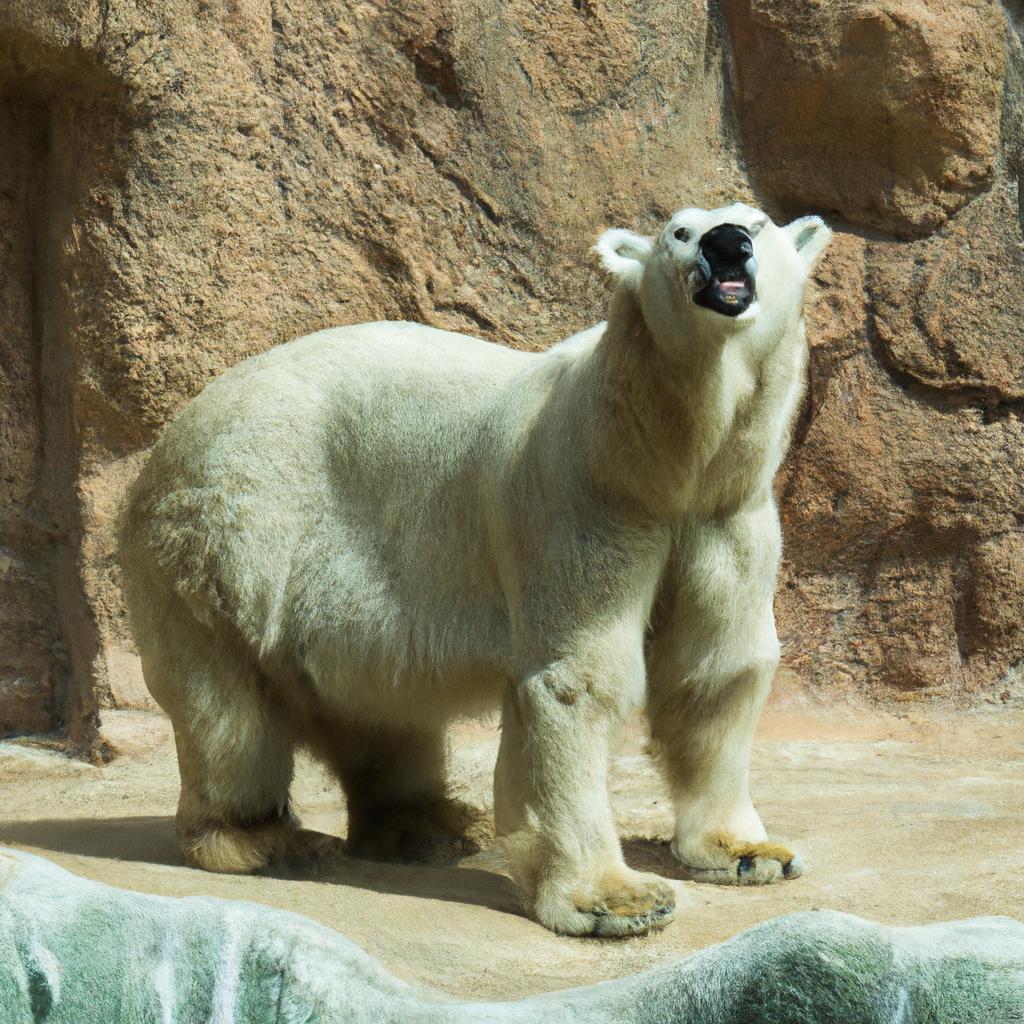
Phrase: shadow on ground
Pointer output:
(151, 840)
(148, 840)
(655, 855)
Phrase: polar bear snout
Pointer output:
(727, 243)
(726, 270)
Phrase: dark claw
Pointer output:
(794, 869)
(745, 866)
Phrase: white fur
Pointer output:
(623, 254)
(353, 538)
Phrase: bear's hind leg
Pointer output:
(236, 768)
(395, 783)
(235, 751)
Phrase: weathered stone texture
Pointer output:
(886, 113)
(904, 497)
(801, 968)
(28, 628)
(212, 179)
(946, 311)
(184, 185)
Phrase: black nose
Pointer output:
(727, 243)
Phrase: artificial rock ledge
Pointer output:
(74, 951)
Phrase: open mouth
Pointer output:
(727, 294)
(726, 270)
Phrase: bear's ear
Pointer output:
(810, 236)
(624, 254)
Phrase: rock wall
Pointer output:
(182, 185)
(904, 496)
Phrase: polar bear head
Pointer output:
(717, 271)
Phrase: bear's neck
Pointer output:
(682, 428)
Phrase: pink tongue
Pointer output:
(732, 287)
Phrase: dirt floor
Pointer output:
(903, 817)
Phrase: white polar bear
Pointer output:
(353, 538)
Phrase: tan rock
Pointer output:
(902, 502)
(884, 112)
(183, 185)
(25, 703)
(947, 310)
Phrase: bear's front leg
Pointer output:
(551, 806)
(711, 658)
(703, 734)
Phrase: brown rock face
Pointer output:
(946, 311)
(187, 185)
(884, 113)
(904, 498)
(184, 185)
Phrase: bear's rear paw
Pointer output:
(306, 847)
(439, 831)
(234, 849)
(243, 849)
(623, 902)
(722, 859)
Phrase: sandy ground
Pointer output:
(903, 818)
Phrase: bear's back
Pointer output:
(336, 455)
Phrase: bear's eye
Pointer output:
(682, 234)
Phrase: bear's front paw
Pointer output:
(622, 902)
(722, 859)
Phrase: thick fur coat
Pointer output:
(351, 539)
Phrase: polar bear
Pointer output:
(353, 538)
